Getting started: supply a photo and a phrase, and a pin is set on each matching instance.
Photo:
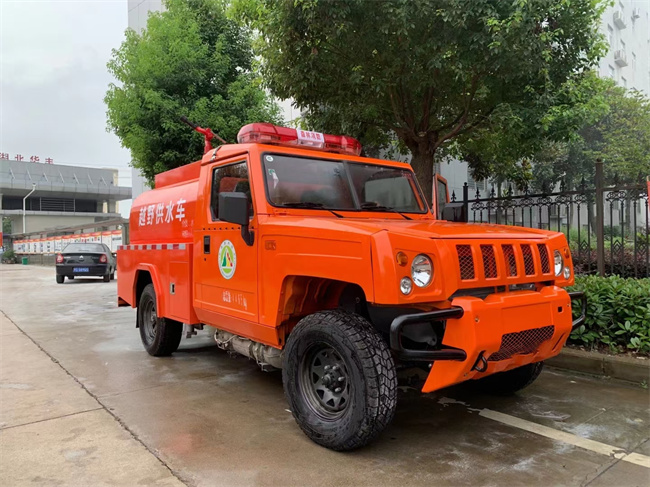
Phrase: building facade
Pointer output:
(57, 195)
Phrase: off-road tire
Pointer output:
(511, 381)
(60, 279)
(163, 338)
(370, 372)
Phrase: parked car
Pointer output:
(85, 260)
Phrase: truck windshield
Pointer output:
(300, 182)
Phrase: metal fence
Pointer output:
(607, 227)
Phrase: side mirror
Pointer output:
(235, 208)
(454, 212)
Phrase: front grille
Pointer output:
(522, 342)
(465, 261)
(529, 264)
(489, 262)
(543, 257)
(511, 261)
(503, 261)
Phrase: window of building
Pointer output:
(621, 6)
(612, 72)
(622, 44)
(610, 36)
(623, 82)
(226, 179)
(633, 61)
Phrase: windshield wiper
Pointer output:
(310, 205)
(370, 206)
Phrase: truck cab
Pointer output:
(307, 257)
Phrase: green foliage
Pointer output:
(191, 60)
(9, 256)
(618, 132)
(618, 314)
(429, 73)
(6, 226)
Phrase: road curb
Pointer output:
(595, 363)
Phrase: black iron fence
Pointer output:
(607, 227)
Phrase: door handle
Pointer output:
(206, 244)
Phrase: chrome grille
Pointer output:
(522, 342)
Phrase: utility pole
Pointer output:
(24, 203)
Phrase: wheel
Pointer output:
(339, 379)
(71, 277)
(511, 381)
(106, 277)
(59, 279)
(160, 336)
(112, 275)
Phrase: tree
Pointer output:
(619, 135)
(426, 72)
(191, 60)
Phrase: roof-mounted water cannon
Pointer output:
(207, 133)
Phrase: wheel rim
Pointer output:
(325, 381)
(149, 322)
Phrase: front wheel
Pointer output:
(511, 381)
(339, 379)
(160, 336)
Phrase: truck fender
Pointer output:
(152, 270)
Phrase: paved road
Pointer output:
(81, 403)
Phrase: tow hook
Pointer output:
(481, 364)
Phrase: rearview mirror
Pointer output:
(454, 212)
(235, 208)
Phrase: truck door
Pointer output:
(225, 266)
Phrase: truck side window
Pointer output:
(227, 179)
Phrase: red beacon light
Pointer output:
(266, 133)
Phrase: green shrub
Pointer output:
(618, 314)
(9, 255)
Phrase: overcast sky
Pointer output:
(53, 79)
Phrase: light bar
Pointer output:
(266, 133)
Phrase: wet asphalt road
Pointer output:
(217, 420)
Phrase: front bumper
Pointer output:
(495, 334)
(94, 270)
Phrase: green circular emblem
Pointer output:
(227, 259)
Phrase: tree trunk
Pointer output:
(422, 163)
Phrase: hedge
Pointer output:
(618, 314)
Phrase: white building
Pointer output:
(57, 195)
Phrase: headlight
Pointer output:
(422, 270)
(405, 285)
(559, 263)
(567, 273)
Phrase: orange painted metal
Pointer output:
(303, 259)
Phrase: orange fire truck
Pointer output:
(306, 257)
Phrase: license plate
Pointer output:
(80, 269)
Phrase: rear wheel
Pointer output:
(160, 336)
(106, 277)
(339, 379)
(59, 279)
(71, 277)
(506, 383)
(112, 274)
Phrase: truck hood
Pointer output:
(446, 230)
(415, 228)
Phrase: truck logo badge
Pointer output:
(227, 259)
